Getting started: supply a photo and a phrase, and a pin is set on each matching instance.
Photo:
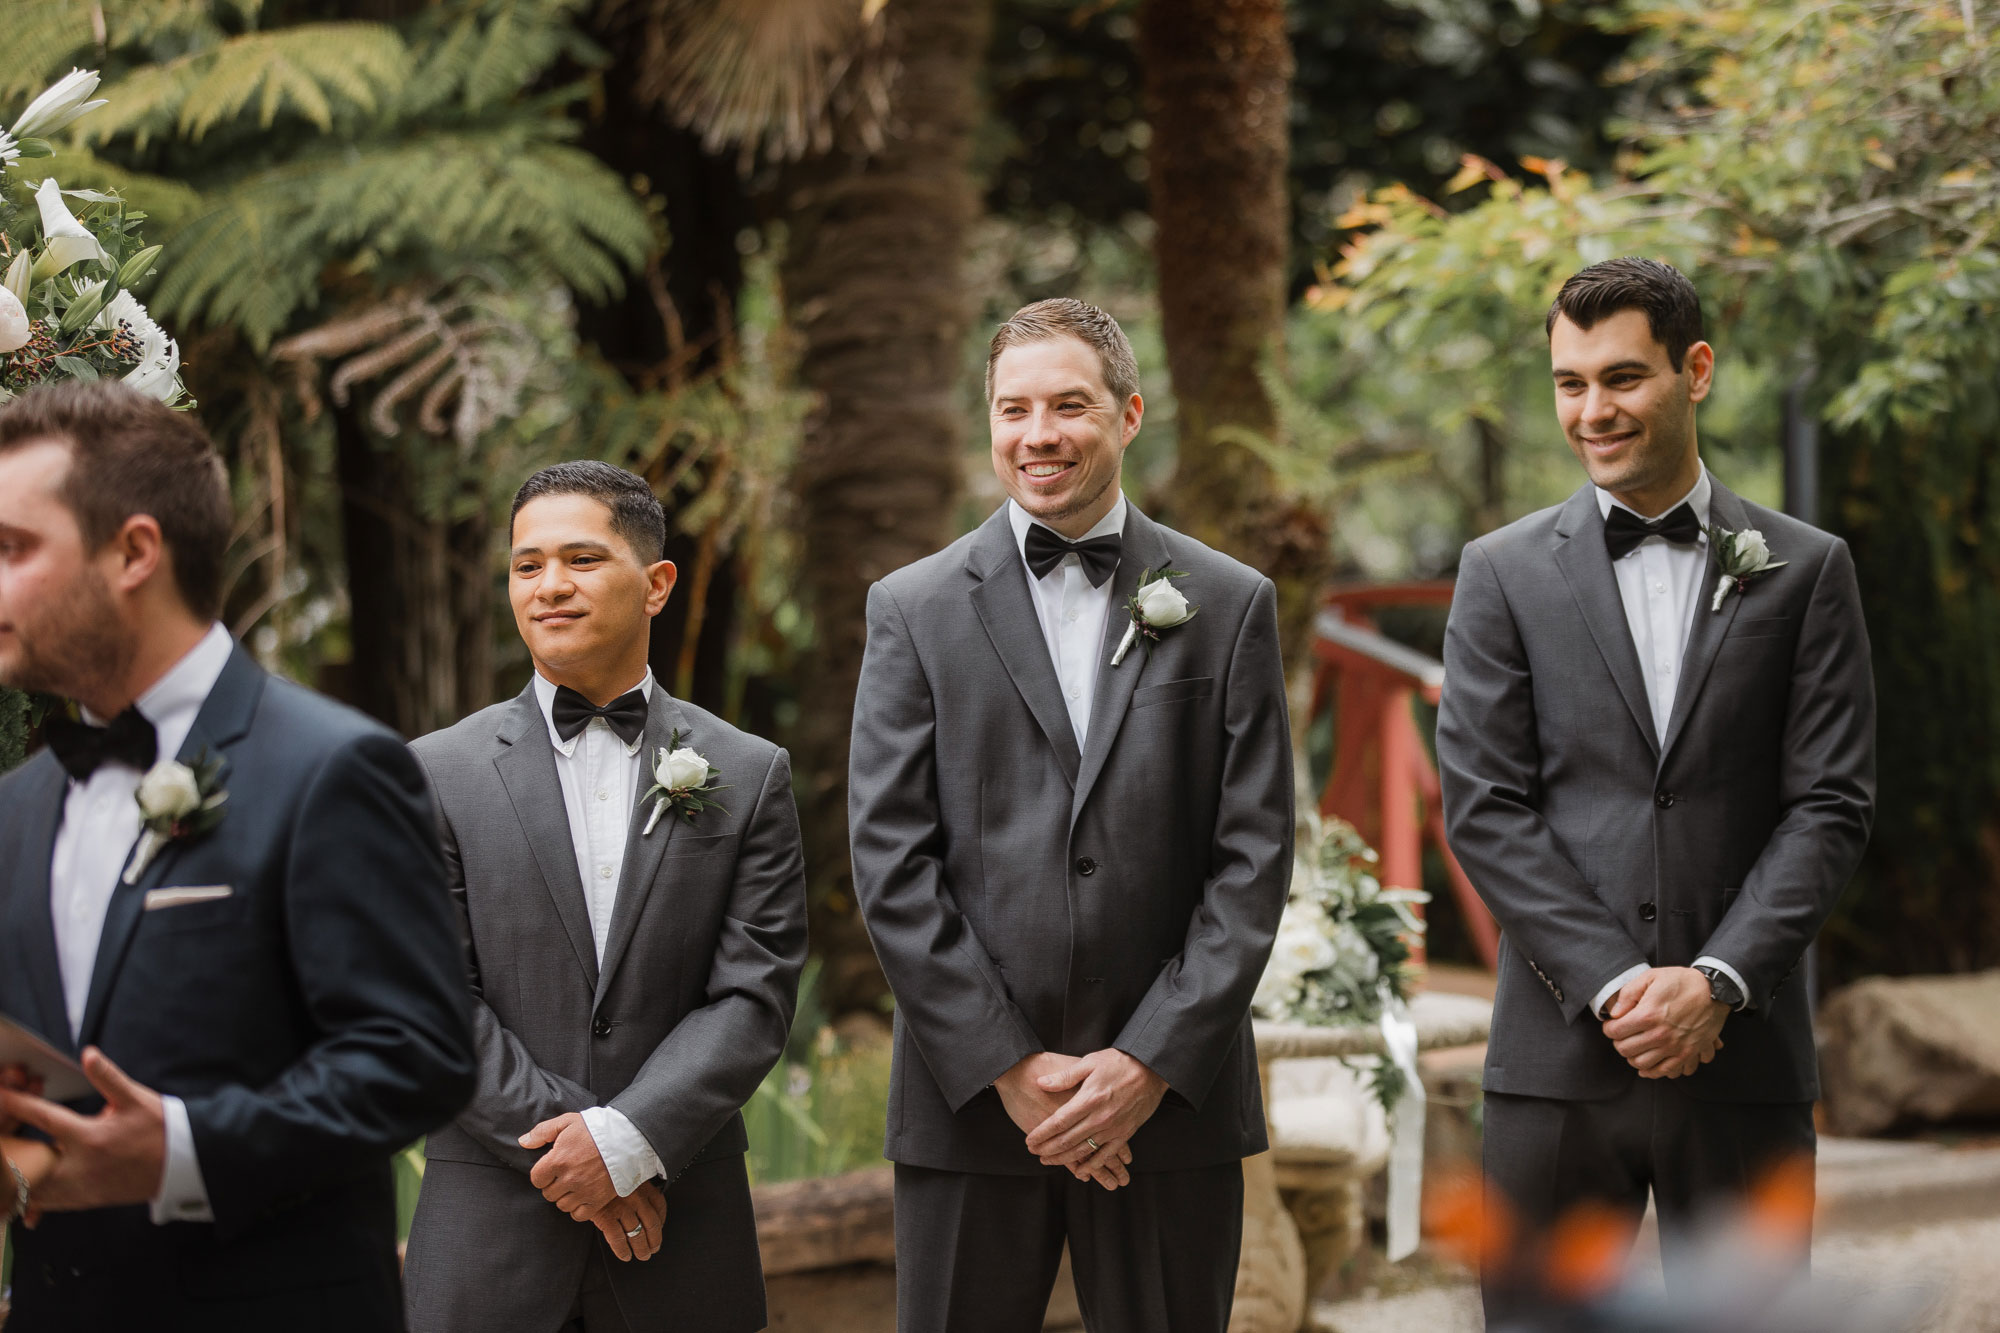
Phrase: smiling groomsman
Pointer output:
(628, 876)
(1657, 742)
(1072, 864)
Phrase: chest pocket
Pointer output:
(1173, 692)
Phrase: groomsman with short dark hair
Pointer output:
(628, 876)
(1071, 808)
(1657, 744)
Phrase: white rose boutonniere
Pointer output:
(176, 803)
(683, 783)
(1741, 556)
(1158, 605)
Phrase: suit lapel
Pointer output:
(224, 719)
(1586, 567)
(29, 921)
(527, 768)
(1706, 634)
(1001, 598)
(643, 854)
(1145, 548)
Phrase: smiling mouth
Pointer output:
(1043, 471)
(558, 617)
(1610, 441)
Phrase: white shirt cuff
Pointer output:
(183, 1196)
(627, 1156)
(1710, 960)
(1616, 984)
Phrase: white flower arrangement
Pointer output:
(1157, 605)
(66, 306)
(1741, 556)
(683, 784)
(1343, 944)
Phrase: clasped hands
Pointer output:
(1063, 1103)
(1664, 1022)
(572, 1176)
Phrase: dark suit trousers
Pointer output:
(978, 1253)
(1544, 1158)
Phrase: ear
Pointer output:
(138, 552)
(660, 579)
(1135, 412)
(1700, 365)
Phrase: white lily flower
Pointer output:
(59, 106)
(9, 150)
(16, 280)
(66, 241)
(158, 373)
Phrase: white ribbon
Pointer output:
(1406, 1138)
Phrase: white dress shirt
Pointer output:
(600, 777)
(1072, 613)
(1660, 584)
(100, 829)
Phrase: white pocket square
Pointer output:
(181, 897)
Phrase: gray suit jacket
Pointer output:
(1024, 895)
(1599, 845)
(688, 1013)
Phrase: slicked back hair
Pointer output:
(1673, 310)
(1066, 317)
(131, 454)
(636, 513)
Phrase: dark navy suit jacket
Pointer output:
(315, 1021)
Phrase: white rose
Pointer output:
(683, 770)
(1162, 604)
(1303, 942)
(1357, 956)
(1277, 990)
(1750, 545)
(14, 327)
(169, 791)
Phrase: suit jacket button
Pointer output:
(1647, 911)
(1665, 799)
(601, 1028)
(1085, 866)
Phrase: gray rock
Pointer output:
(1903, 1051)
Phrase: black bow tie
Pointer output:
(626, 714)
(1045, 550)
(81, 748)
(1624, 529)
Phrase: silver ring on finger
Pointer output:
(1093, 1145)
(635, 1232)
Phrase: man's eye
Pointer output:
(525, 569)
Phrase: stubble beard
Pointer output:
(76, 648)
(1079, 503)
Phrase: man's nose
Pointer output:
(1042, 430)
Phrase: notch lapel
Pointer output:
(1705, 636)
(527, 768)
(29, 922)
(1002, 599)
(1586, 567)
(224, 719)
(643, 855)
(1145, 548)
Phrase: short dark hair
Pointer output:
(132, 454)
(636, 513)
(1673, 310)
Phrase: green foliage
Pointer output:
(824, 1108)
(1825, 173)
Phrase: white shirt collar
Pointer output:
(1018, 518)
(1696, 499)
(175, 699)
(545, 695)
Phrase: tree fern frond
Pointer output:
(490, 50)
(43, 38)
(315, 70)
(444, 200)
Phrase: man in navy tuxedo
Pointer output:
(269, 995)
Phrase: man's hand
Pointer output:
(571, 1174)
(1665, 1024)
(644, 1211)
(115, 1157)
(1025, 1093)
(17, 1078)
(1111, 1094)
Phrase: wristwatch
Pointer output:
(1720, 988)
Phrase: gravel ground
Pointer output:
(1958, 1261)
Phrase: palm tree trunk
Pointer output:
(873, 281)
(1218, 88)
